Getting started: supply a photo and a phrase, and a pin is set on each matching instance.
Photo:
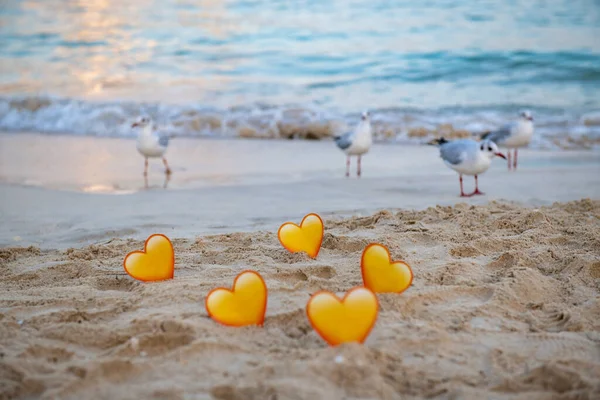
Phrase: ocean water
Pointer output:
(291, 68)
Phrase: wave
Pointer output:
(504, 68)
(555, 127)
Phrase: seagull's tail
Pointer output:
(437, 141)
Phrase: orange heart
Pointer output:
(339, 321)
(244, 304)
(307, 237)
(155, 263)
(382, 275)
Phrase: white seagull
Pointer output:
(468, 157)
(514, 135)
(357, 142)
(150, 143)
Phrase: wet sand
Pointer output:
(61, 191)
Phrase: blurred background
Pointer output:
(288, 68)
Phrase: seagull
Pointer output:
(357, 142)
(151, 143)
(468, 157)
(514, 135)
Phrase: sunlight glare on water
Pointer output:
(338, 56)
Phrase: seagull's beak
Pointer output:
(135, 124)
(501, 155)
(530, 118)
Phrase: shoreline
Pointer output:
(52, 161)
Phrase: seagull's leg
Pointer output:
(508, 158)
(515, 160)
(347, 166)
(476, 187)
(462, 192)
(358, 167)
(146, 166)
(167, 170)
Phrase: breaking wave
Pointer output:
(555, 127)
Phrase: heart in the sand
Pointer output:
(306, 237)
(340, 321)
(155, 263)
(244, 304)
(381, 274)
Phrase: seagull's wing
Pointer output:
(454, 152)
(344, 141)
(499, 135)
(163, 140)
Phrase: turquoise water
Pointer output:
(230, 68)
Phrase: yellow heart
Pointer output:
(339, 321)
(155, 263)
(244, 304)
(307, 237)
(382, 275)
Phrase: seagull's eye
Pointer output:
(489, 148)
(482, 147)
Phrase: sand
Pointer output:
(504, 305)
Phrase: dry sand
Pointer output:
(505, 305)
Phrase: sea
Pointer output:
(302, 69)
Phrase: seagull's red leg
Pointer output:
(515, 160)
(358, 167)
(347, 166)
(146, 166)
(462, 192)
(167, 170)
(508, 159)
(476, 187)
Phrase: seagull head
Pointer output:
(141, 122)
(365, 116)
(526, 115)
(490, 149)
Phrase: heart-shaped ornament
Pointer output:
(244, 304)
(155, 263)
(306, 237)
(347, 320)
(381, 274)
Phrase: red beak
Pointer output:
(501, 155)
(134, 125)
(530, 118)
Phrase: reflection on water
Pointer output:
(105, 189)
(164, 185)
(345, 54)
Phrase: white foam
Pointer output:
(77, 117)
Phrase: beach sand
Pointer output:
(504, 304)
